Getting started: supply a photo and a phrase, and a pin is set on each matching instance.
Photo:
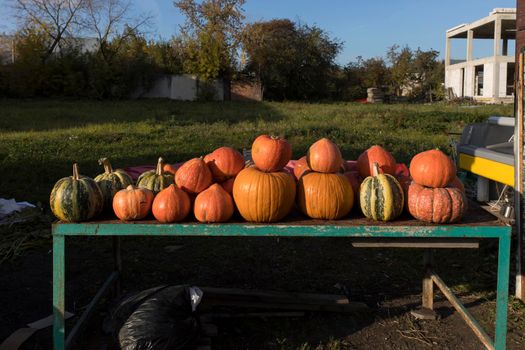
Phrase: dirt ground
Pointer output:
(388, 280)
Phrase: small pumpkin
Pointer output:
(355, 181)
(111, 181)
(76, 198)
(381, 196)
(171, 205)
(155, 180)
(271, 153)
(325, 196)
(171, 168)
(213, 205)
(228, 185)
(263, 197)
(436, 205)
(194, 176)
(224, 163)
(132, 203)
(405, 182)
(301, 167)
(432, 169)
(379, 155)
(325, 157)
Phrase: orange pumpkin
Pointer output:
(325, 157)
(379, 155)
(457, 184)
(271, 153)
(213, 205)
(224, 163)
(263, 197)
(301, 168)
(172, 169)
(355, 182)
(436, 205)
(171, 205)
(432, 169)
(132, 203)
(325, 196)
(194, 176)
(228, 185)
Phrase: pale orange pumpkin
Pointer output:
(171, 205)
(436, 205)
(213, 205)
(432, 169)
(224, 163)
(132, 203)
(301, 167)
(325, 157)
(263, 197)
(271, 153)
(379, 155)
(194, 176)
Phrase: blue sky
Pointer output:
(367, 28)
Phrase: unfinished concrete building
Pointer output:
(489, 78)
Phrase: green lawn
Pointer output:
(41, 138)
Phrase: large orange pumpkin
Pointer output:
(213, 205)
(325, 196)
(271, 153)
(194, 176)
(325, 157)
(224, 163)
(132, 203)
(263, 197)
(301, 167)
(379, 155)
(432, 169)
(436, 205)
(355, 181)
(171, 205)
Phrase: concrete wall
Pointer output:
(184, 87)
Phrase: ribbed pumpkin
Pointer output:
(379, 155)
(155, 180)
(224, 163)
(132, 203)
(325, 157)
(271, 153)
(213, 205)
(325, 196)
(355, 181)
(194, 176)
(381, 196)
(436, 205)
(228, 185)
(76, 198)
(171, 205)
(432, 169)
(263, 197)
(111, 181)
(301, 168)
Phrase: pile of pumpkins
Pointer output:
(322, 185)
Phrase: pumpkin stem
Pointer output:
(160, 166)
(108, 169)
(375, 169)
(130, 188)
(76, 176)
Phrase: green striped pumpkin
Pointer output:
(111, 181)
(155, 180)
(381, 196)
(76, 198)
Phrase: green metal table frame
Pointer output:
(363, 233)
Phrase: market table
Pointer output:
(402, 233)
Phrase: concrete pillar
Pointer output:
(505, 49)
(447, 51)
(470, 41)
(497, 37)
(497, 52)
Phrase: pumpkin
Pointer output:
(436, 205)
(228, 185)
(301, 167)
(271, 153)
(224, 163)
(76, 198)
(171, 205)
(171, 168)
(405, 182)
(213, 205)
(457, 184)
(325, 196)
(432, 169)
(325, 157)
(355, 182)
(155, 180)
(263, 197)
(111, 181)
(381, 196)
(194, 176)
(379, 155)
(132, 203)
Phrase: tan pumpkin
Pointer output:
(301, 168)
(132, 203)
(224, 163)
(436, 205)
(171, 205)
(271, 153)
(379, 155)
(325, 196)
(213, 205)
(325, 157)
(194, 176)
(263, 197)
(432, 169)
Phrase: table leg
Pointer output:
(502, 296)
(117, 261)
(426, 311)
(58, 292)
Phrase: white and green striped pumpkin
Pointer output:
(111, 181)
(155, 180)
(381, 196)
(76, 198)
